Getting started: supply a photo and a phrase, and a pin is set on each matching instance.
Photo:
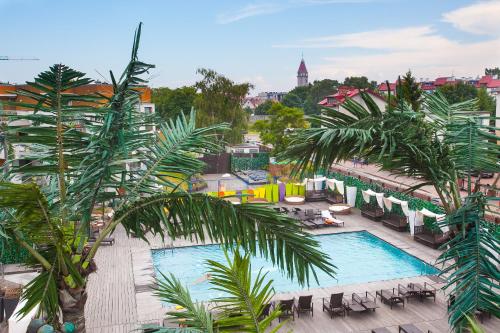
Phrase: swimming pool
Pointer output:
(359, 256)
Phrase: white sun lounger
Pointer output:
(327, 216)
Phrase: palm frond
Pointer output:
(473, 262)
(194, 316)
(256, 228)
(245, 298)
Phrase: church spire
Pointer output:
(302, 74)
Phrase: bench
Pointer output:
(395, 222)
(372, 212)
(429, 237)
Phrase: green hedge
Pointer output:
(11, 252)
(258, 161)
(413, 203)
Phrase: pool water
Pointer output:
(359, 256)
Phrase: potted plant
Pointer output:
(10, 300)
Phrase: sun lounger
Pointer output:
(336, 305)
(390, 297)
(328, 219)
(367, 300)
(265, 311)
(304, 305)
(426, 290)
(285, 210)
(309, 223)
(380, 330)
(354, 306)
(409, 291)
(296, 210)
(286, 307)
(410, 328)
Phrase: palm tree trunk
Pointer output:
(73, 307)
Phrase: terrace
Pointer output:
(123, 306)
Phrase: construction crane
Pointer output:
(10, 58)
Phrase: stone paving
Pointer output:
(120, 298)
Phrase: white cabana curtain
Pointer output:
(309, 184)
(419, 218)
(379, 196)
(352, 191)
(411, 221)
(404, 204)
(332, 183)
(318, 183)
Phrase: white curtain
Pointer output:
(309, 184)
(367, 194)
(411, 221)
(380, 199)
(318, 183)
(330, 183)
(379, 196)
(404, 204)
(340, 186)
(419, 219)
(351, 195)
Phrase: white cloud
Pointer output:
(480, 18)
(248, 11)
(257, 9)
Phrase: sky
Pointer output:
(254, 41)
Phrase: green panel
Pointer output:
(276, 193)
(269, 193)
(289, 189)
(259, 161)
(11, 252)
(302, 190)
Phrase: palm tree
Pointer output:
(72, 172)
(441, 144)
(239, 310)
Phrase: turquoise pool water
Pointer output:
(359, 256)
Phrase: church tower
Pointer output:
(302, 74)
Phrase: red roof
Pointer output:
(302, 67)
(488, 81)
(383, 86)
(344, 92)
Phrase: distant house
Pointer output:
(244, 148)
(336, 100)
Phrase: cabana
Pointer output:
(370, 211)
(335, 191)
(392, 220)
(315, 189)
(427, 236)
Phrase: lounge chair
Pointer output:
(410, 328)
(409, 291)
(304, 305)
(265, 311)
(354, 306)
(368, 300)
(336, 305)
(328, 219)
(286, 307)
(107, 240)
(380, 330)
(285, 210)
(309, 223)
(426, 290)
(296, 210)
(390, 297)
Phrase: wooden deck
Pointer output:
(120, 298)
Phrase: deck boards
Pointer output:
(120, 298)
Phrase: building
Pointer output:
(490, 82)
(302, 75)
(8, 94)
(274, 96)
(336, 100)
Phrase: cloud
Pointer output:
(257, 9)
(248, 11)
(481, 18)
(394, 51)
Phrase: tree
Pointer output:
(485, 101)
(492, 71)
(276, 129)
(409, 90)
(444, 142)
(458, 92)
(307, 97)
(170, 103)
(263, 108)
(296, 97)
(360, 82)
(244, 296)
(79, 172)
(220, 100)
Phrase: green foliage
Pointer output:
(486, 102)
(308, 97)
(360, 82)
(409, 91)
(11, 252)
(239, 311)
(458, 92)
(472, 258)
(219, 101)
(263, 108)
(282, 120)
(256, 162)
(170, 103)
(492, 71)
